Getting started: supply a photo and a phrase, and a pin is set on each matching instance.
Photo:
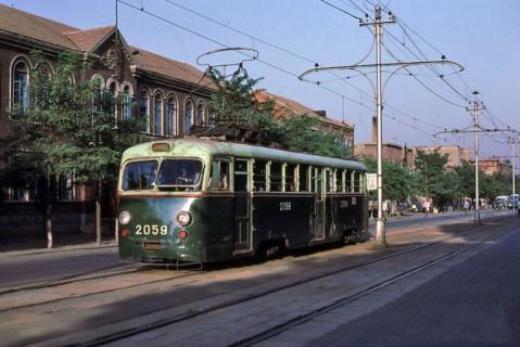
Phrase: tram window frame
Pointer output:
(329, 181)
(275, 176)
(259, 172)
(220, 182)
(343, 180)
(289, 177)
(243, 172)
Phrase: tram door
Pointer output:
(243, 237)
(319, 206)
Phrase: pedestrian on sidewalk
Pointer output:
(466, 205)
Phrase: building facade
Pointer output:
(495, 166)
(169, 96)
(285, 107)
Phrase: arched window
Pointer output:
(144, 110)
(20, 88)
(188, 117)
(109, 99)
(42, 79)
(98, 84)
(127, 103)
(157, 114)
(199, 120)
(171, 115)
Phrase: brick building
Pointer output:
(456, 154)
(284, 107)
(495, 166)
(171, 96)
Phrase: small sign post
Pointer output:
(371, 182)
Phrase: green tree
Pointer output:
(431, 171)
(235, 107)
(399, 182)
(73, 131)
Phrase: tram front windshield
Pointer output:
(184, 174)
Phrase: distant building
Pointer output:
(391, 152)
(456, 154)
(495, 166)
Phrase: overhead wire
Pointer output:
(278, 68)
(294, 54)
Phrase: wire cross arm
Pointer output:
(397, 65)
(472, 131)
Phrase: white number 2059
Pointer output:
(153, 229)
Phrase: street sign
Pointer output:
(371, 181)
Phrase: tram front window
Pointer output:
(140, 175)
(179, 173)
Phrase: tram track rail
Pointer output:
(304, 318)
(80, 296)
(65, 280)
(160, 323)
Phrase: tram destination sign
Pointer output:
(371, 181)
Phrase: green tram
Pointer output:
(194, 200)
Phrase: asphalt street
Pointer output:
(475, 303)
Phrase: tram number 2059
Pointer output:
(151, 229)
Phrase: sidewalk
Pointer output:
(62, 243)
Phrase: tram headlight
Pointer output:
(124, 217)
(183, 218)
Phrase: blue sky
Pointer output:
(482, 35)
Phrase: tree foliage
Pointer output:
(72, 125)
(399, 182)
(234, 106)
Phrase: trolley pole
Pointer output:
(475, 113)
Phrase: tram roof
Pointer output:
(191, 147)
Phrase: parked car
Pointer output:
(500, 201)
(512, 200)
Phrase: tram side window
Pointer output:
(259, 175)
(240, 178)
(348, 181)
(220, 175)
(275, 177)
(338, 179)
(140, 175)
(356, 180)
(304, 178)
(289, 177)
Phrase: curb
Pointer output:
(59, 249)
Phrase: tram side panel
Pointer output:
(287, 217)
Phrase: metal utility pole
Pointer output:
(378, 28)
(377, 24)
(476, 107)
(512, 141)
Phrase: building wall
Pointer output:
(456, 154)
(390, 152)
